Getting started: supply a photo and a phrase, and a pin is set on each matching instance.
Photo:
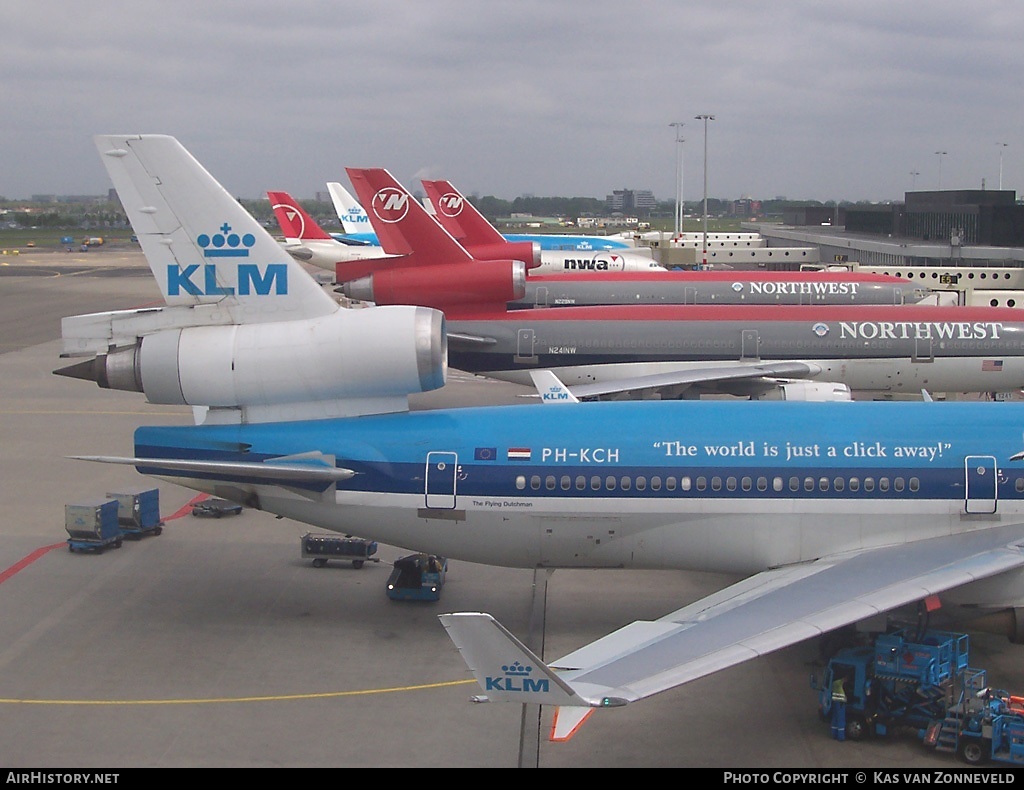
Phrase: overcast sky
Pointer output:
(812, 100)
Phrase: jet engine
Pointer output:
(347, 354)
(526, 251)
(442, 285)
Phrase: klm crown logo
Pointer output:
(252, 279)
(517, 677)
(225, 244)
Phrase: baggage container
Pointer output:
(138, 512)
(322, 548)
(92, 525)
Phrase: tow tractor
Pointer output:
(417, 577)
(922, 683)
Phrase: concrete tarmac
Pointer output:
(215, 644)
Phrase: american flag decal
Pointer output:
(519, 453)
(991, 365)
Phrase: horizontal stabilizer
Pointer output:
(280, 471)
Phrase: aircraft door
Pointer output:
(923, 351)
(525, 340)
(439, 480)
(750, 343)
(540, 297)
(689, 295)
(981, 484)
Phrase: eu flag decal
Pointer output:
(485, 453)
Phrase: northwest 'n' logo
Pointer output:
(450, 204)
(390, 204)
(295, 219)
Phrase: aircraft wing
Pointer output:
(755, 376)
(763, 613)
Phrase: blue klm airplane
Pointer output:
(356, 224)
(834, 512)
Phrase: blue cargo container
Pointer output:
(92, 525)
(138, 512)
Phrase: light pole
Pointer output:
(940, 154)
(704, 224)
(679, 175)
(1001, 147)
(913, 179)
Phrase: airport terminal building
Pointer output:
(932, 228)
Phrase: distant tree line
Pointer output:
(98, 213)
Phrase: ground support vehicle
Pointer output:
(417, 577)
(898, 681)
(138, 512)
(334, 547)
(215, 508)
(92, 526)
(985, 725)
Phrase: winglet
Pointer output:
(505, 668)
(550, 387)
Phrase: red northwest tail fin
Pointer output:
(473, 230)
(460, 217)
(294, 221)
(403, 226)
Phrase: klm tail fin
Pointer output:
(294, 221)
(203, 247)
(354, 220)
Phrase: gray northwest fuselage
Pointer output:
(958, 349)
(779, 288)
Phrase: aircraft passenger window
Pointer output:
(776, 483)
(626, 483)
(670, 483)
(869, 484)
(641, 483)
(808, 484)
(730, 483)
(656, 484)
(702, 483)
(595, 482)
(915, 484)
(520, 482)
(898, 483)
(794, 484)
(581, 482)
(566, 482)
(746, 483)
(609, 482)
(839, 484)
(716, 483)
(854, 484)
(883, 484)
(535, 482)
(823, 484)
(549, 482)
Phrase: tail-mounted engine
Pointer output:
(443, 285)
(350, 361)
